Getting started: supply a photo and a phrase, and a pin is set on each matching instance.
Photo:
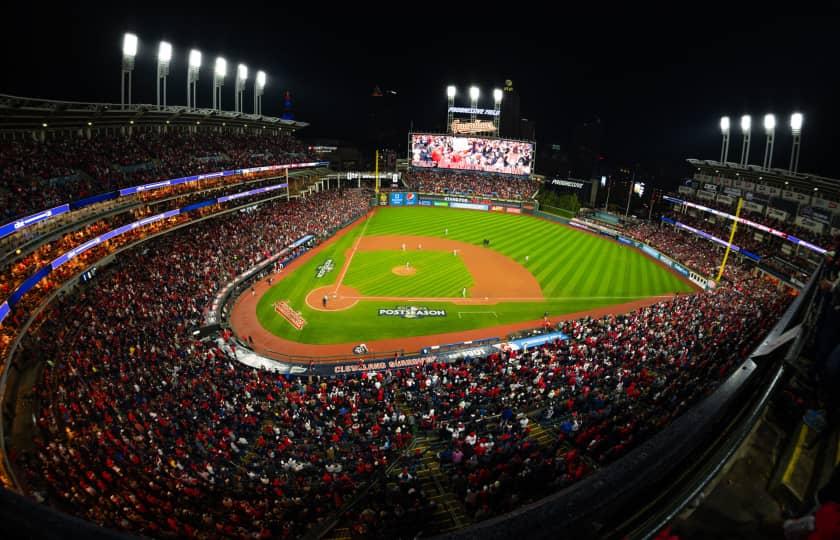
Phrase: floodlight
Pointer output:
(746, 122)
(261, 79)
(474, 93)
(724, 124)
(796, 122)
(164, 52)
(221, 67)
(497, 95)
(242, 72)
(130, 45)
(450, 91)
(769, 122)
(195, 58)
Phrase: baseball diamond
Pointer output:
(531, 267)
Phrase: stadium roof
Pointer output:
(21, 113)
(753, 173)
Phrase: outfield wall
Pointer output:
(463, 202)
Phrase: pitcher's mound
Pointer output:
(403, 271)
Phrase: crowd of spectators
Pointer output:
(696, 253)
(23, 267)
(35, 175)
(144, 429)
(471, 184)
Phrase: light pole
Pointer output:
(630, 194)
(239, 87)
(497, 108)
(450, 102)
(219, 74)
(474, 93)
(724, 148)
(129, 50)
(609, 187)
(770, 128)
(746, 124)
(259, 86)
(796, 129)
(192, 78)
(164, 56)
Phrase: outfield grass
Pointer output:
(577, 271)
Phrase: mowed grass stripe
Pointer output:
(576, 284)
(573, 258)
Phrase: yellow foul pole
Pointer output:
(376, 173)
(731, 237)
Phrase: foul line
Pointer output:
(350, 257)
(493, 313)
(480, 299)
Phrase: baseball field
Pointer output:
(418, 271)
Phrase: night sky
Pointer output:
(658, 87)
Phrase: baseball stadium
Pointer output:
(216, 325)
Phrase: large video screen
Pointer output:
(472, 154)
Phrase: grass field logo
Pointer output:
(324, 269)
(411, 312)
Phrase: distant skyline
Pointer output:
(658, 88)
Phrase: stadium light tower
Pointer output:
(724, 148)
(770, 128)
(164, 57)
(450, 102)
(497, 108)
(239, 86)
(474, 93)
(746, 126)
(796, 128)
(129, 50)
(259, 87)
(219, 74)
(192, 78)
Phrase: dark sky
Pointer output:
(658, 86)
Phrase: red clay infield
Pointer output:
(496, 277)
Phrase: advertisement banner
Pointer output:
(705, 195)
(30, 220)
(833, 206)
(396, 198)
(425, 202)
(725, 199)
(468, 206)
(511, 210)
(795, 196)
(753, 207)
(685, 190)
(768, 190)
(440, 203)
(817, 214)
(411, 199)
(775, 213)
